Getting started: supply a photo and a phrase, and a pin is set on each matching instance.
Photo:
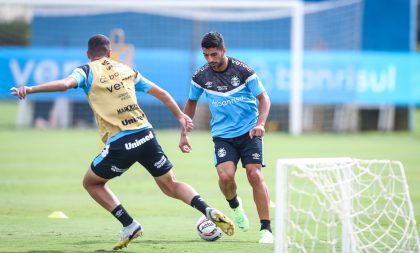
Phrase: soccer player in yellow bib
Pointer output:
(111, 88)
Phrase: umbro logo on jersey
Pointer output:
(209, 84)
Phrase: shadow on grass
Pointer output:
(141, 241)
(186, 241)
(146, 243)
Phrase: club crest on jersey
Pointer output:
(221, 152)
(235, 81)
(105, 151)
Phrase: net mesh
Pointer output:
(349, 206)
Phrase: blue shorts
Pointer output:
(250, 151)
(118, 156)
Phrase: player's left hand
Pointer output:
(258, 130)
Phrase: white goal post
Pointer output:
(343, 205)
(296, 8)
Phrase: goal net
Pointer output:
(343, 205)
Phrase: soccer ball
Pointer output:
(207, 230)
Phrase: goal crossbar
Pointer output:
(143, 4)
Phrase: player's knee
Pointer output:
(86, 183)
(226, 178)
(89, 183)
(255, 177)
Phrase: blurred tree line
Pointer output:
(15, 33)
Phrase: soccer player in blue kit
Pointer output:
(111, 88)
(232, 89)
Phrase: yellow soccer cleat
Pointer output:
(223, 222)
(128, 233)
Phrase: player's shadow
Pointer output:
(186, 241)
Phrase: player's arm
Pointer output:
(194, 94)
(190, 107)
(169, 102)
(57, 85)
(263, 108)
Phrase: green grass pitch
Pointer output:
(41, 172)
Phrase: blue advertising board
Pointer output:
(340, 77)
(328, 77)
(170, 69)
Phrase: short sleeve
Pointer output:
(80, 77)
(143, 84)
(255, 85)
(195, 91)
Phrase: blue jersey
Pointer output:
(231, 96)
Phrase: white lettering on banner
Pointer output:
(349, 79)
(377, 82)
(21, 77)
(283, 78)
(42, 71)
(46, 71)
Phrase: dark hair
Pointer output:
(213, 39)
(99, 45)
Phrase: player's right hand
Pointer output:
(186, 123)
(20, 92)
(258, 130)
(184, 144)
